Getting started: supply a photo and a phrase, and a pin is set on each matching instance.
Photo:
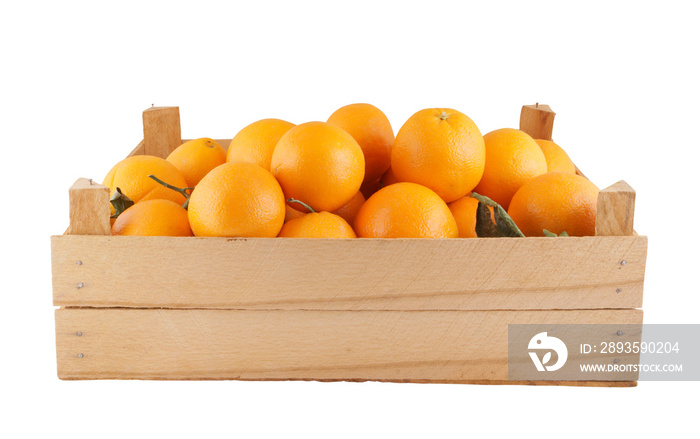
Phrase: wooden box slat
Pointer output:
(421, 346)
(399, 274)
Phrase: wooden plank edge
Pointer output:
(201, 308)
(355, 380)
(140, 148)
(236, 375)
(319, 302)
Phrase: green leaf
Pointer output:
(485, 227)
(504, 226)
(549, 234)
(120, 202)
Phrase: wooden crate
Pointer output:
(402, 310)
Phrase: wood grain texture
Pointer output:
(537, 121)
(139, 150)
(161, 130)
(615, 215)
(89, 208)
(425, 346)
(403, 274)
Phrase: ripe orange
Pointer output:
(349, 211)
(372, 131)
(464, 211)
(557, 159)
(319, 164)
(290, 213)
(558, 202)
(512, 158)
(195, 158)
(153, 218)
(237, 199)
(317, 225)
(441, 149)
(405, 210)
(256, 142)
(131, 176)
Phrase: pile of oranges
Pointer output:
(351, 177)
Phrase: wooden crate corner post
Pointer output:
(89, 208)
(537, 121)
(615, 215)
(161, 131)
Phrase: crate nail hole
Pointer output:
(623, 262)
(619, 290)
(78, 333)
(79, 262)
(620, 332)
(80, 355)
(80, 285)
(616, 361)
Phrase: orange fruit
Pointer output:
(317, 225)
(464, 211)
(237, 199)
(512, 158)
(557, 159)
(319, 164)
(349, 211)
(558, 202)
(153, 218)
(405, 210)
(255, 142)
(195, 158)
(290, 213)
(372, 131)
(131, 176)
(441, 149)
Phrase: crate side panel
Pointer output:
(421, 346)
(140, 149)
(276, 273)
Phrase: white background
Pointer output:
(75, 76)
